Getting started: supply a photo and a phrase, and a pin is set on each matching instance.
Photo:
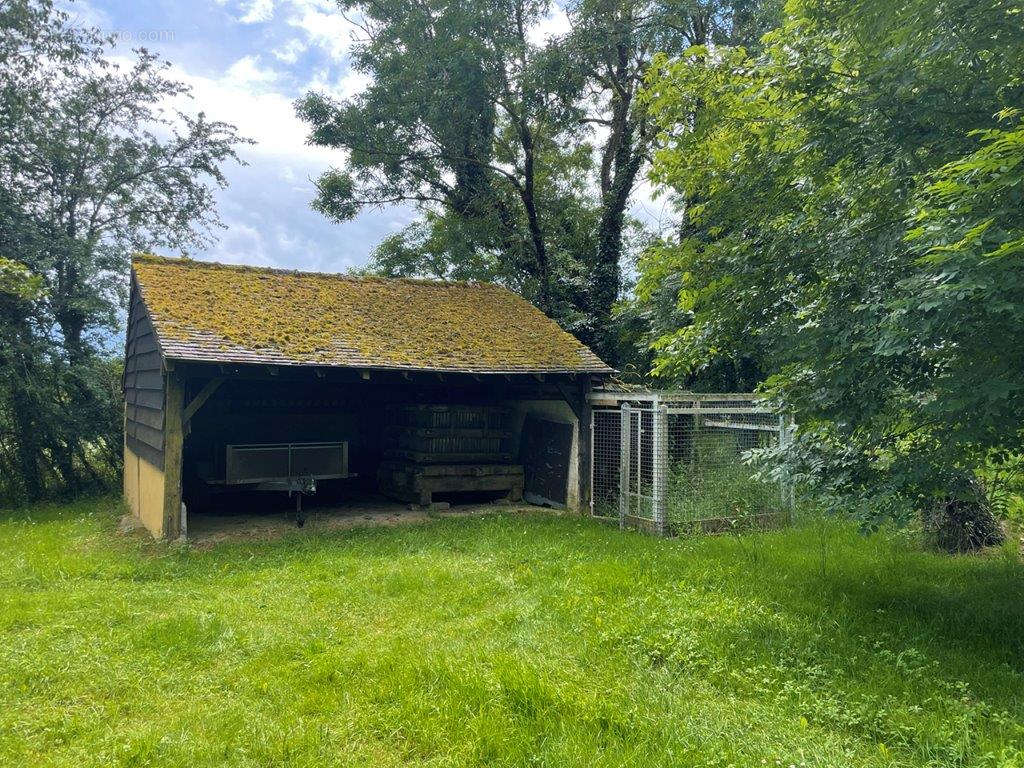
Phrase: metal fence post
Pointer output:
(625, 459)
(659, 470)
(593, 459)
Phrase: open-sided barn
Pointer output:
(243, 377)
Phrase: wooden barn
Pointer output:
(241, 379)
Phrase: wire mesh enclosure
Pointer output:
(675, 462)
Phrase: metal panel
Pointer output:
(625, 460)
(278, 462)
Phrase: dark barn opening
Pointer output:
(380, 422)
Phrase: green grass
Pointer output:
(505, 640)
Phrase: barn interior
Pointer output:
(366, 442)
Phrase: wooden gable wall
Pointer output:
(144, 387)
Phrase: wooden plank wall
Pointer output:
(143, 386)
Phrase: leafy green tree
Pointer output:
(460, 111)
(92, 167)
(834, 203)
(523, 156)
(614, 42)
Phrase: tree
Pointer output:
(615, 41)
(808, 177)
(491, 134)
(92, 167)
(461, 110)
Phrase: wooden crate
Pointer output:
(448, 434)
(416, 483)
(448, 416)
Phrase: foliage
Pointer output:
(531, 185)
(847, 196)
(1004, 484)
(429, 63)
(504, 640)
(92, 166)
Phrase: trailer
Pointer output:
(293, 468)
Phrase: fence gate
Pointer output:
(668, 462)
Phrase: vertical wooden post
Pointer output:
(173, 443)
(585, 430)
(625, 459)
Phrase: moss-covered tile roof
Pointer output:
(226, 313)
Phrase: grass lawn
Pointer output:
(504, 640)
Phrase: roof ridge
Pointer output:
(186, 261)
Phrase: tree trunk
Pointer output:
(28, 447)
(607, 273)
(620, 163)
(533, 219)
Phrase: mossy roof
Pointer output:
(226, 313)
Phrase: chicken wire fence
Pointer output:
(672, 463)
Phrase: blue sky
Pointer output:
(247, 61)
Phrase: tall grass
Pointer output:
(715, 484)
(511, 640)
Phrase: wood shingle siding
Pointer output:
(143, 385)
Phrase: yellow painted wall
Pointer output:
(131, 481)
(144, 491)
(558, 411)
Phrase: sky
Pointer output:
(246, 62)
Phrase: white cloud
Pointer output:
(344, 87)
(652, 208)
(240, 243)
(247, 73)
(324, 26)
(258, 11)
(554, 24)
(249, 96)
(321, 22)
(84, 14)
(353, 83)
(266, 207)
(289, 52)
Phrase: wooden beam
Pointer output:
(752, 427)
(573, 402)
(200, 399)
(585, 465)
(173, 441)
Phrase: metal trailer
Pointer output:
(291, 467)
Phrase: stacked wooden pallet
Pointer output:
(448, 449)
